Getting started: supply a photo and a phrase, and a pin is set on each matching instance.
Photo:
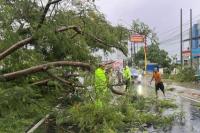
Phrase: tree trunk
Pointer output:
(43, 67)
(15, 47)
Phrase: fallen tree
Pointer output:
(40, 68)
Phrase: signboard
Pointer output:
(118, 65)
(196, 52)
(186, 53)
(136, 38)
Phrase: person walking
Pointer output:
(158, 82)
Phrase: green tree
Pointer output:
(141, 28)
(42, 46)
(154, 55)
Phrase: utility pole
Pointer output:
(191, 37)
(131, 53)
(145, 54)
(134, 52)
(181, 36)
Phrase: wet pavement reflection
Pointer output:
(192, 117)
(142, 88)
(191, 123)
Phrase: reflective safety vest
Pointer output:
(98, 103)
(127, 73)
(100, 81)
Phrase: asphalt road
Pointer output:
(188, 101)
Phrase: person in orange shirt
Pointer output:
(158, 82)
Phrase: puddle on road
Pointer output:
(192, 117)
(191, 122)
(142, 90)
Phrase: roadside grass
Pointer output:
(166, 104)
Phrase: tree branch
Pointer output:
(73, 27)
(79, 31)
(45, 11)
(54, 2)
(24, 42)
(104, 43)
(66, 75)
(41, 82)
(45, 81)
(54, 6)
(117, 92)
(62, 29)
(30, 39)
(40, 68)
(42, 4)
(15, 47)
(59, 79)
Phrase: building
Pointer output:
(196, 33)
(196, 45)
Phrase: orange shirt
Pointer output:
(157, 77)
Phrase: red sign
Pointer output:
(186, 53)
(136, 38)
(118, 64)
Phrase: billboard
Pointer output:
(186, 53)
(196, 52)
(118, 65)
(136, 38)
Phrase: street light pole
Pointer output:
(191, 37)
(131, 53)
(181, 37)
(145, 54)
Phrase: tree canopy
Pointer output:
(47, 49)
(43, 45)
(154, 53)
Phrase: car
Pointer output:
(134, 73)
(139, 79)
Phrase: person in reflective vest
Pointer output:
(127, 76)
(101, 84)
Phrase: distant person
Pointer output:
(158, 82)
(127, 76)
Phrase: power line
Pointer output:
(173, 37)
(174, 29)
(175, 34)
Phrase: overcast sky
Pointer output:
(163, 15)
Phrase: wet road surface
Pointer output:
(190, 108)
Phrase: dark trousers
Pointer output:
(161, 87)
(127, 82)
